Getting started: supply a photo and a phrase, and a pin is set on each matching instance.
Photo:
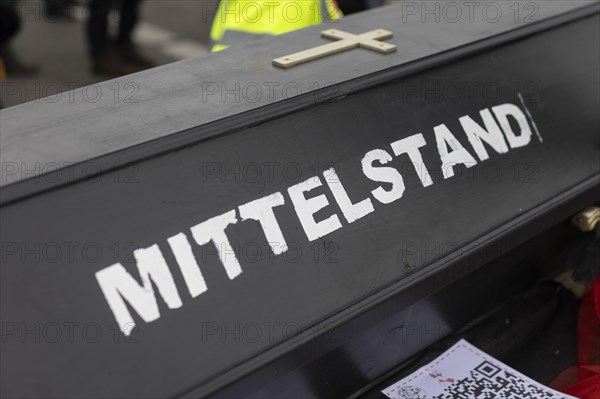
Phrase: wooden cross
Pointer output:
(344, 41)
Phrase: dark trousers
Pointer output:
(352, 6)
(97, 27)
(9, 25)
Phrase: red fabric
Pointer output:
(596, 291)
(585, 379)
(588, 388)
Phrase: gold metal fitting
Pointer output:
(587, 219)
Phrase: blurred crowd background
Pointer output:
(53, 46)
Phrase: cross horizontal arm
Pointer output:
(377, 34)
(314, 53)
(344, 41)
(368, 40)
(378, 46)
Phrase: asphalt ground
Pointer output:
(168, 31)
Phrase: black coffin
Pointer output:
(399, 196)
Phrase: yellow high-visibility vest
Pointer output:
(240, 20)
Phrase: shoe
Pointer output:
(14, 67)
(18, 69)
(110, 63)
(60, 14)
(60, 10)
(129, 52)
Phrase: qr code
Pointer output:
(488, 381)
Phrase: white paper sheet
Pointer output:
(465, 372)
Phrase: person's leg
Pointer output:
(106, 59)
(127, 50)
(351, 6)
(129, 18)
(97, 26)
(58, 9)
(9, 24)
(374, 3)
